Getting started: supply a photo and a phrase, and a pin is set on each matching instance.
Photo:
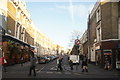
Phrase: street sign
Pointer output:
(77, 42)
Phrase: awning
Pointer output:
(9, 37)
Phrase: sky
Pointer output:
(59, 19)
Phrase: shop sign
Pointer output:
(107, 52)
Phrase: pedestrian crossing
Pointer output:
(58, 72)
(54, 68)
(55, 72)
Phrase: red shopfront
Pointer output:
(108, 52)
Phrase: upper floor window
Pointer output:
(22, 33)
(17, 30)
(98, 32)
(18, 14)
(24, 19)
(98, 15)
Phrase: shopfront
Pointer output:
(118, 56)
(13, 50)
(108, 54)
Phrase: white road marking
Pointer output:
(53, 68)
(41, 69)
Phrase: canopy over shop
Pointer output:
(14, 50)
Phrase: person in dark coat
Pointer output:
(32, 63)
(59, 63)
(85, 64)
(71, 64)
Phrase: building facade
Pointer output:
(19, 32)
(103, 34)
(84, 44)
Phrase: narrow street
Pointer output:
(49, 71)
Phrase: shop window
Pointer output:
(118, 58)
(118, 55)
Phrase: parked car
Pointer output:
(43, 59)
(52, 58)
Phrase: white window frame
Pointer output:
(17, 31)
(98, 14)
(98, 33)
(18, 13)
(22, 33)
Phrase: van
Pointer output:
(74, 58)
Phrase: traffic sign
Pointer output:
(77, 42)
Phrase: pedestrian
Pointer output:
(32, 63)
(107, 63)
(3, 63)
(21, 60)
(85, 64)
(71, 64)
(59, 64)
(21, 57)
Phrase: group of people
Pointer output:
(84, 64)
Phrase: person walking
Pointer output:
(85, 64)
(32, 63)
(71, 64)
(3, 63)
(59, 64)
(21, 61)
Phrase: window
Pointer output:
(18, 14)
(22, 33)
(98, 15)
(17, 30)
(24, 19)
(98, 31)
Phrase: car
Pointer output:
(43, 59)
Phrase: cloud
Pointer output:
(80, 11)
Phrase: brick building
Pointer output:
(104, 34)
